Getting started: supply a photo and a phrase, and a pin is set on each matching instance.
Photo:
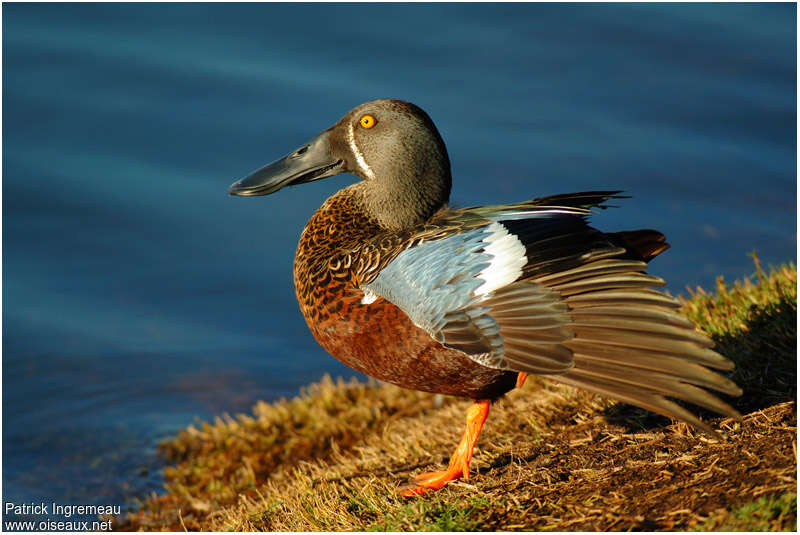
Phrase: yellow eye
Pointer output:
(367, 121)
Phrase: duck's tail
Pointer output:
(643, 244)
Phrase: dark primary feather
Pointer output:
(629, 343)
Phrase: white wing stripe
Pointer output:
(508, 259)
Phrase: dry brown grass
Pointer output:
(550, 457)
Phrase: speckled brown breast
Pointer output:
(341, 247)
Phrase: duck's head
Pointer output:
(391, 144)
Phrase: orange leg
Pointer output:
(521, 379)
(459, 462)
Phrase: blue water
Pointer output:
(138, 296)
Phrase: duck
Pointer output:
(397, 284)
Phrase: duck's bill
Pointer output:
(310, 162)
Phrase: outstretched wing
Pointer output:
(533, 288)
(456, 279)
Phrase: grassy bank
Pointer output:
(550, 457)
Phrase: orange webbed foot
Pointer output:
(459, 462)
(427, 482)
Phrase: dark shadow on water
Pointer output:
(765, 354)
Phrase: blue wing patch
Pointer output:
(435, 282)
